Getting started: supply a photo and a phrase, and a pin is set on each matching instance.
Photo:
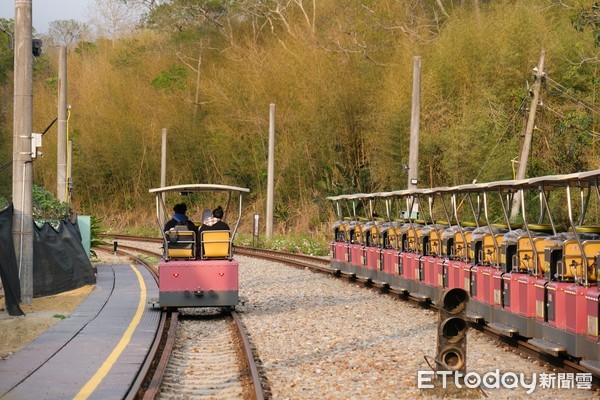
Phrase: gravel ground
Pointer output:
(321, 338)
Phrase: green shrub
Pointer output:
(303, 244)
(48, 207)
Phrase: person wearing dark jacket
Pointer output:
(211, 222)
(179, 218)
(214, 223)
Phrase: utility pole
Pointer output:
(413, 158)
(22, 186)
(270, 172)
(61, 152)
(163, 173)
(524, 154)
(413, 152)
(197, 96)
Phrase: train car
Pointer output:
(198, 268)
(533, 279)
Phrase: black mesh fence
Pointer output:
(60, 262)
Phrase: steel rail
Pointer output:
(123, 248)
(154, 380)
(322, 265)
(242, 333)
(131, 237)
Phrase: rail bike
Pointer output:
(533, 275)
(197, 268)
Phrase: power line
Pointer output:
(501, 137)
(591, 132)
(8, 164)
(564, 91)
(3, 167)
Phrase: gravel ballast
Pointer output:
(319, 337)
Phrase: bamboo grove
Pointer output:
(340, 74)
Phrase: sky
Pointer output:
(44, 11)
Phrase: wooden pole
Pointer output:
(413, 158)
(163, 174)
(69, 170)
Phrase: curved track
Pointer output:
(220, 364)
(148, 380)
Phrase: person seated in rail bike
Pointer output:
(180, 218)
(213, 221)
(206, 214)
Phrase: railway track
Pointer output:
(322, 265)
(205, 362)
(219, 363)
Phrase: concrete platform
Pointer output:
(97, 351)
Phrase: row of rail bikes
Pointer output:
(197, 268)
(531, 275)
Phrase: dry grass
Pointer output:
(41, 314)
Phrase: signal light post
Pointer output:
(452, 331)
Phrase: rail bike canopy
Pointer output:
(582, 180)
(578, 179)
(188, 189)
(199, 187)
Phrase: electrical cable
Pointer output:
(435, 360)
(589, 131)
(3, 167)
(438, 362)
(563, 90)
(67, 191)
(500, 139)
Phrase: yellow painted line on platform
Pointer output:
(93, 383)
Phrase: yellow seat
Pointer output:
(462, 246)
(215, 244)
(573, 259)
(490, 255)
(526, 254)
(180, 243)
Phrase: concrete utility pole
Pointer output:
(163, 172)
(61, 152)
(413, 151)
(524, 154)
(413, 158)
(270, 172)
(22, 188)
